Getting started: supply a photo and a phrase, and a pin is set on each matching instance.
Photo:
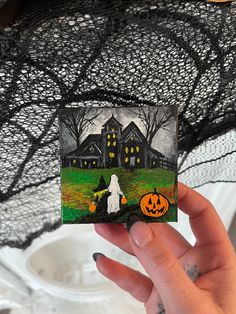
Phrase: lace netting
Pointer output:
(111, 52)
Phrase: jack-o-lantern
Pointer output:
(124, 200)
(92, 207)
(154, 204)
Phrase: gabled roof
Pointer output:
(96, 138)
(92, 140)
(112, 120)
(130, 128)
(90, 150)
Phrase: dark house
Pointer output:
(116, 147)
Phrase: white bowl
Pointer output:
(64, 266)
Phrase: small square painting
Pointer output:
(118, 161)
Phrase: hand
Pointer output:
(182, 279)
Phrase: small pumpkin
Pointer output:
(92, 207)
(154, 204)
(124, 200)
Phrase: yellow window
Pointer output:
(137, 148)
(112, 155)
(114, 135)
(126, 159)
(108, 143)
(112, 130)
(74, 161)
(114, 143)
(85, 163)
(94, 162)
(132, 138)
(132, 149)
(108, 135)
(126, 150)
(138, 160)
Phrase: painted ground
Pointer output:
(78, 184)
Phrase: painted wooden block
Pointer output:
(117, 161)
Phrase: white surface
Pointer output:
(13, 291)
(60, 264)
(64, 265)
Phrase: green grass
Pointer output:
(160, 176)
(71, 214)
(78, 185)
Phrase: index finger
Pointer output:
(205, 222)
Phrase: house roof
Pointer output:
(92, 140)
(90, 151)
(132, 127)
(96, 138)
(112, 120)
(92, 145)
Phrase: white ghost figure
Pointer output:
(113, 201)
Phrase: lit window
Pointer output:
(74, 161)
(94, 162)
(114, 136)
(126, 159)
(132, 138)
(132, 149)
(108, 143)
(108, 135)
(138, 160)
(85, 163)
(112, 155)
(112, 130)
(126, 150)
(114, 143)
(137, 148)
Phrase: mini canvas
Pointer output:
(118, 161)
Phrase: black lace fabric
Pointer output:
(110, 53)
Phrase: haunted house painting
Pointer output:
(116, 146)
(112, 158)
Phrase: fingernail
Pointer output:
(141, 234)
(132, 219)
(97, 255)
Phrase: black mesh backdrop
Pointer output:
(110, 53)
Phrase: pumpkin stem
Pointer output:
(155, 190)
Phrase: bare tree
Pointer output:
(154, 119)
(77, 121)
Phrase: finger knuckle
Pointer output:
(162, 265)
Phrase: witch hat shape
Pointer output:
(102, 185)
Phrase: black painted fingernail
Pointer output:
(132, 219)
(97, 255)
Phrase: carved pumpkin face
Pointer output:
(154, 204)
